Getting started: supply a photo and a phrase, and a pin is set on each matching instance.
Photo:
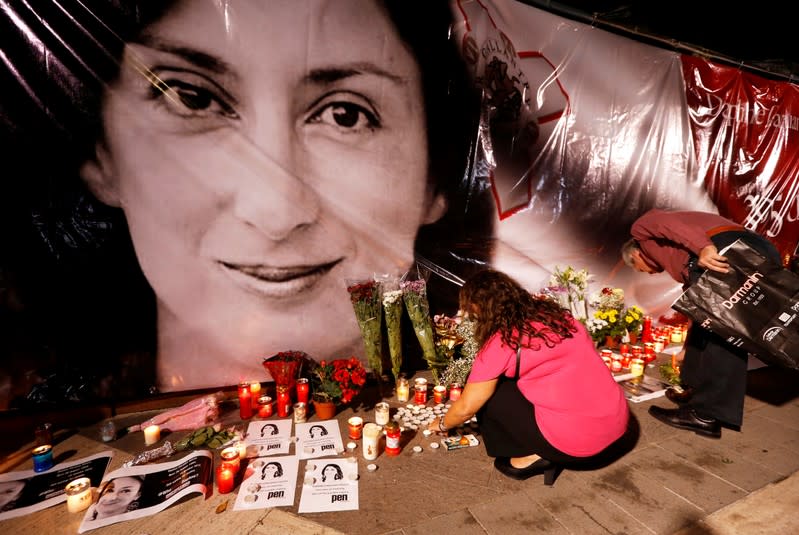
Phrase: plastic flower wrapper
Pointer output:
(414, 294)
(392, 307)
(366, 302)
(569, 287)
(459, 368)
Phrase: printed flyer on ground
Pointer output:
(269, 483)
(27, 491)
(330, 485)
(141, 491)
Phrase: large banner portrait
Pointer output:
(191, 184)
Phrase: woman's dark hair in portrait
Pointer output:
(278, 469)
(317, 430)
(81, 314)
(504, 306)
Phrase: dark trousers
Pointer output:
(714, 369)
(509, 429)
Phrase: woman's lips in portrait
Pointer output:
(275, 281)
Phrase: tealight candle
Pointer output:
(79, 495)
(224, 479)
(152, 434)
(42, 458)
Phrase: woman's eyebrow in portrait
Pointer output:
(196, 57)
(330, 75)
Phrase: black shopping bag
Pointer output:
(754, 306)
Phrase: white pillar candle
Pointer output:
(79, 495)
(152, 434)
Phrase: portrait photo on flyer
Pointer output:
(318, 439)
(270, 438)
(330, 485)
(141, 491)
(27, 491)
(268, 483)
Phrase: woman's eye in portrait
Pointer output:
(189, 96)
(346, 113)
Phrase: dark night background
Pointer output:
(759, 36)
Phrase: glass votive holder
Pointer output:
(382, 411)
(79, 494)
(439, 393)
(224, 479)
(43, 434)
(265, 407)
(42, 458)
(355, 427)
(108, 431)
(403, 389)
(231, 458)
(300, 412)
(303, 390)
(455, 390)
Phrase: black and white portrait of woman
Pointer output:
(229, 183)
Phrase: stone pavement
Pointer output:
(672, 482)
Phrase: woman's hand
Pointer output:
(709, 258)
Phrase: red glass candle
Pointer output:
(392, 439)
(230, 459)
(264, 407)
(439, 393)
(245, 401)
(355, 427)
(455, 390)
(624, 348)
(646, 329)
(303, 389)
(224, 479)
(283, 401)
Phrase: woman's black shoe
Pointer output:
(550, 470)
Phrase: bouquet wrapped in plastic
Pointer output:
(392, 307)
(365, 297)
(414, 294)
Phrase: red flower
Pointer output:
(339, 379)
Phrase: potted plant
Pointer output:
(335, 382)
(607, 326)
(633, 319)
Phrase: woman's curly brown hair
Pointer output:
(505, 306)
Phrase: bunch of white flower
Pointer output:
(574, 283)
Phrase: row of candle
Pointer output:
(252, 402)
(420, 391)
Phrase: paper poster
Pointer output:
(268, 483)
(271, 437)
(330, 485)
(319, 439)
(27, 491)
(141, 491)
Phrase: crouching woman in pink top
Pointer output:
(544, 398)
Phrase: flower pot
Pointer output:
(612, 342)
(325, 410)
(633, 336)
